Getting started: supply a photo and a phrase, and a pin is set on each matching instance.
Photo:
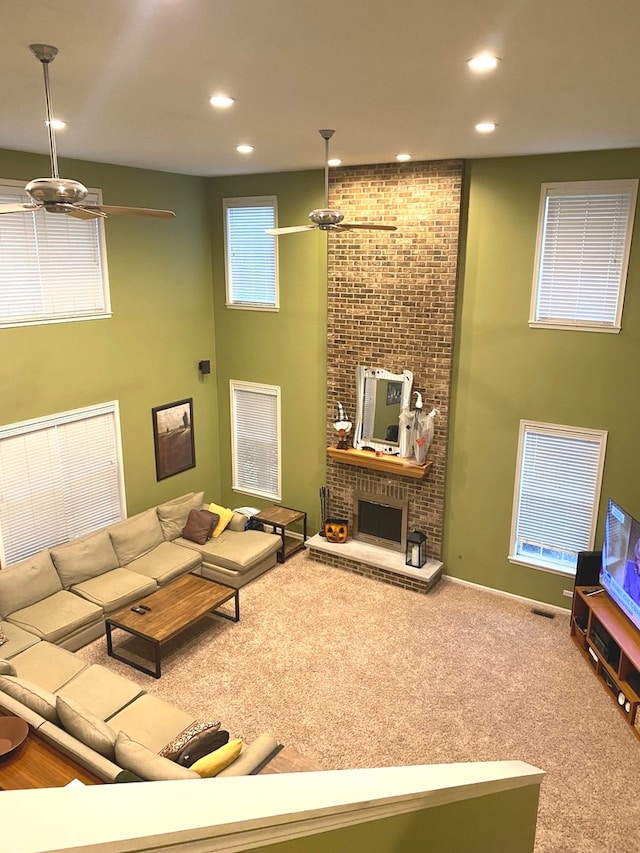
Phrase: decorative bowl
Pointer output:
(13, 731)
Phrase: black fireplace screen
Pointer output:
(381, 523)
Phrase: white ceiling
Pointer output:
(133, 78)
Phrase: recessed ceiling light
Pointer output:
(403, 157)
(57, 123)
(221, 101)
(486, 126)
(334, 161)
(483, 62)
(244, 149)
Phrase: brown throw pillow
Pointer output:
(202, 745)
(199, 526)
(173, 749)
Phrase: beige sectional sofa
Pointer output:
(55, 602)
(63, 594)
(103, 721)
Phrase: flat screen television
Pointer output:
(620, 572)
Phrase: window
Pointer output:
(52, 267)
(250, 254)
(60, 477)
(582, 253)
(255, 438)
(557, 491)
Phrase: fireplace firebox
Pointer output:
(380, 520)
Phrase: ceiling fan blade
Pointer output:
(116, 210)
(292, 229)
(350, 226)
(81, 212)
(18, 208)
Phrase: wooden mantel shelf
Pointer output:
(388, 464)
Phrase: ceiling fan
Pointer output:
(325, 218)
(62, 195)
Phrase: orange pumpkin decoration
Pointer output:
(336, 530)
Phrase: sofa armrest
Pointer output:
(252, 757)
(7, 668)
(13, 706)
(238, 522)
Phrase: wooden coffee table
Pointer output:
(171, 610)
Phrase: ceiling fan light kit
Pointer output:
(325, 218)
(63, 195)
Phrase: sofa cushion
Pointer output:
(114, 589)
(236, 551)
(210, 765)
(57, 616)
(34, 697)
(151, 722)
(173, 514)
(199, 526)
(27, 582)
(150, 766)
(17, 640)
(136, 536)
(179, 743)
(225, 515)
(84, 558)
(102, 692)
(164, 563)
(86, 727)
(49, 666)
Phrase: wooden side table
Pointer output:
(38, 764)
(280, 517)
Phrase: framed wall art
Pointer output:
(173, 438)
(394, 393)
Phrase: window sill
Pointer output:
(251, 306)
(542, 567)
(567, 326)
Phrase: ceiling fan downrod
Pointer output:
(326, 135)
(46, 53)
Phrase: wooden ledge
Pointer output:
(388, 464)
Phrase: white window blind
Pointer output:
(52, 267)
(584, 238)
(558, 479)
(60, 477)
(251, 255)
(255, 438)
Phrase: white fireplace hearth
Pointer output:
(374, 561)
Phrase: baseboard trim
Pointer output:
(532, 601)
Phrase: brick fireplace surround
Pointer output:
(391, 304)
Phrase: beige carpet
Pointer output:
(356, 673)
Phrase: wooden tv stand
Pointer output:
(617, 658)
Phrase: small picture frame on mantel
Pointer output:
(173, 438)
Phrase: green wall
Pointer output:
(504, 371)
(167, 317)
(147, 354)
(497, 823)
(285, 348)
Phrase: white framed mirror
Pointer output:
(380, 397)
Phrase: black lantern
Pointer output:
(416, 549)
